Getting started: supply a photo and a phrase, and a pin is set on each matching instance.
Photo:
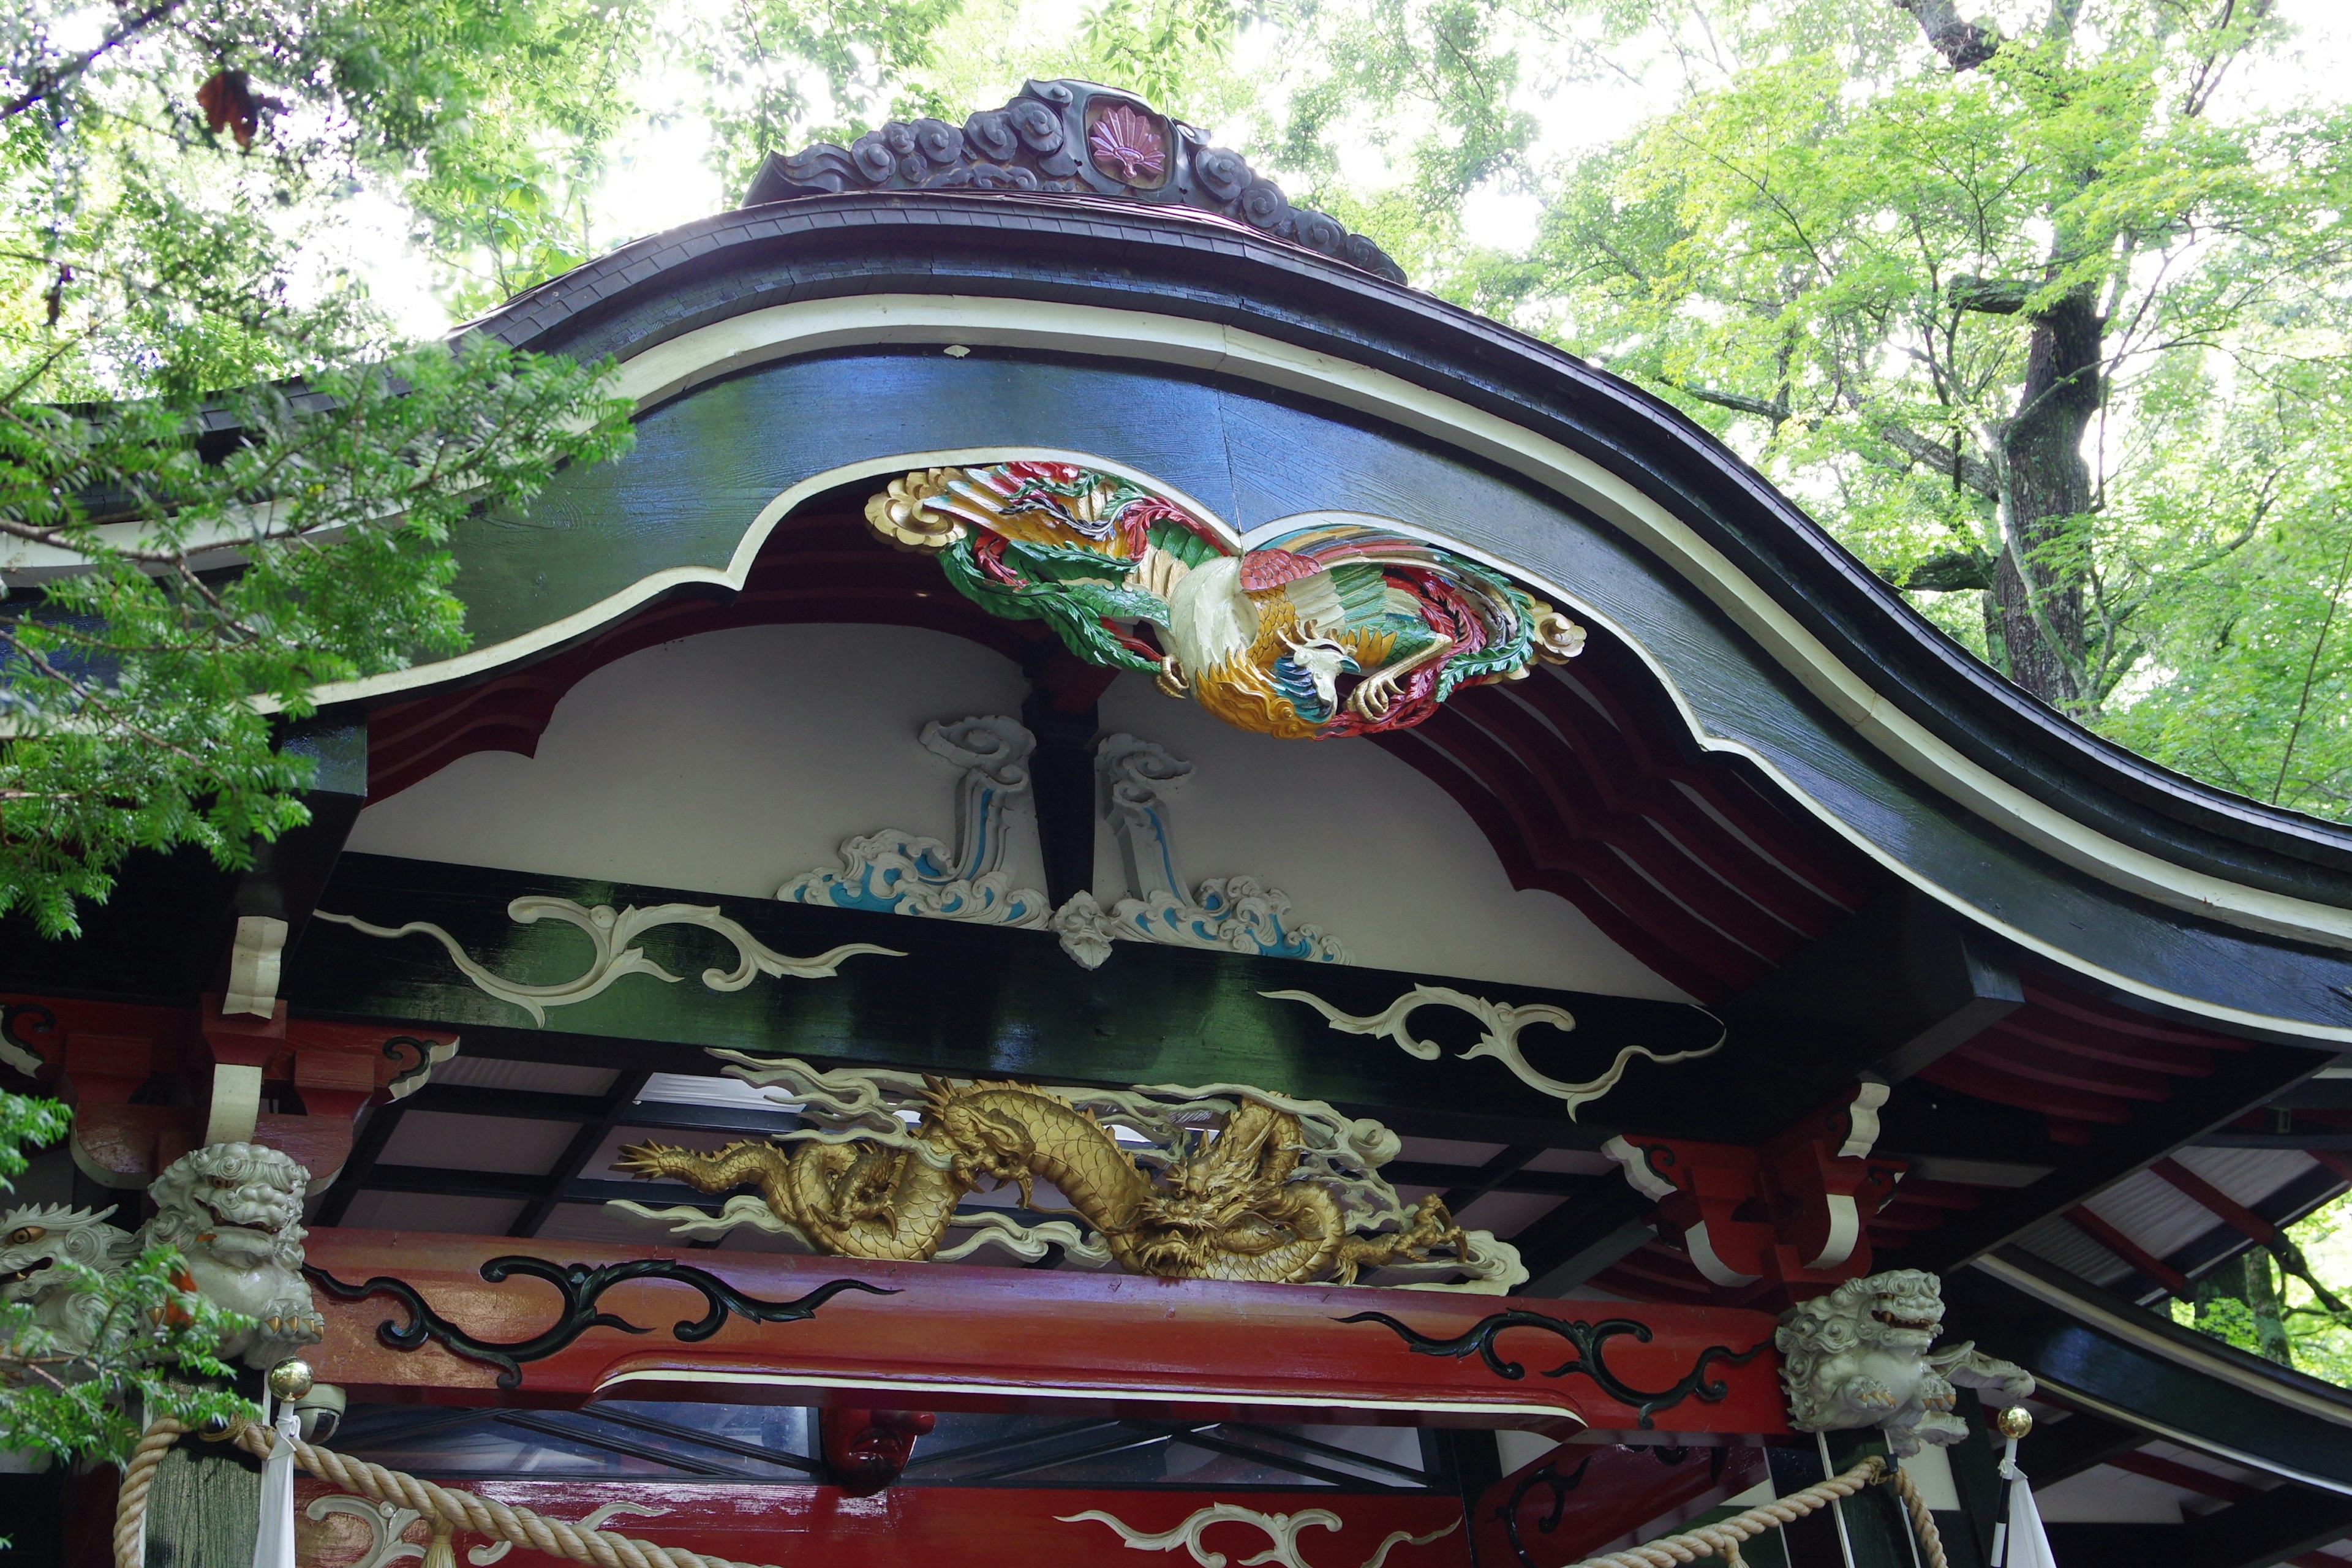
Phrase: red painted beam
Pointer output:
(2233, 1212)
(930, 1336)
(1964, 1072)
(2187, 1478)
(1573, 1501)
(2040, 992)
(2029, 1059)
(971, 1527)
(2091, 1224)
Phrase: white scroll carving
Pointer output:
(1282, 1531)
(612, 933)
(1232, 914)
(483, 1556)
(1503, 1023)
(894, 871)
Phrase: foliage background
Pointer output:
(2041, 307)
(1799, 220)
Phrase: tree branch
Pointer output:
(1974, 473)
(43, 83)
(1964, 45)
(1738, 403)
(1990, 296)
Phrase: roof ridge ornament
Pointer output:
(1074, 137)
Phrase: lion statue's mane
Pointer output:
(1860, 1356)
(234, 1212)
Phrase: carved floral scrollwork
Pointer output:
(1590, 1342)
(614, 933)
(1502, 1021)
(388, 1525)
(1282, 1532)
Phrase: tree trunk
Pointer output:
(2263, 1296)
(2037, 598)
(2038, 583)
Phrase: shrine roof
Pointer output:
(813, 230)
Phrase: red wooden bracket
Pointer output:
(1777, 1224)
(317, 1076)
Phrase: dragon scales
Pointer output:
(1219, 1184)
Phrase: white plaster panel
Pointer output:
(722, 763)
(1369, 850)
(728, 763)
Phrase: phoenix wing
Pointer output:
(1086, 553)
(1416, 623)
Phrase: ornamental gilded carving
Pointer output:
(1223, 1182)
(1337, 629)
(1074, 138)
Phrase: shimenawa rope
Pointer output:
(448, 1510)
(453, 1510)
(1722, 1539)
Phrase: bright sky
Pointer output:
(661, 177)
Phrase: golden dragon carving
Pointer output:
(1236, 1205)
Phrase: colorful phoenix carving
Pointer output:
(1237, 1206)
(1263, 638)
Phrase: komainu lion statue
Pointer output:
(34, 1241)
(1242, 1205)
(234, 1212)
(1859, 1357)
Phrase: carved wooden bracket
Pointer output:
(866, 1450)
(1777, 1224)
(149, 1084)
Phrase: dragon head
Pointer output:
(1215, 1196)
(240, 1202)
(33, 1240)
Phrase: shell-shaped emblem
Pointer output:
(1129, 145)
(900, 514)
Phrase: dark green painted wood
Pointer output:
(975, 1001)
(1975, 1478)
(2070, 1354)
(705, 465)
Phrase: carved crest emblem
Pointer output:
(1129, 145)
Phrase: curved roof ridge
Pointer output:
(1068, 137)
(1457, 353)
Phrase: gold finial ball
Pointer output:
(290, 1379)
(2014, 1422)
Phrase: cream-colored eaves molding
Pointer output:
(781, 332)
